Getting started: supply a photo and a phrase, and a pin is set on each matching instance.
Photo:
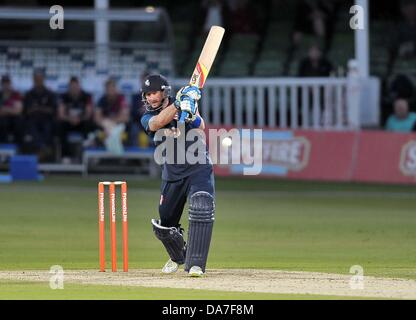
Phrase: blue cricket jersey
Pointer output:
(174, 172)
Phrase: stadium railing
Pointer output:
(307, 103)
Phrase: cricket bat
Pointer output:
(205, 60)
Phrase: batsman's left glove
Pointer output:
(187, 101)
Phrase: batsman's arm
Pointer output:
(163, 118)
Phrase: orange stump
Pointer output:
(113, 215)
(125, 227)
(112, 192)
(101, 225)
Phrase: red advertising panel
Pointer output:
(386, 157)
(362, 156)
(300, 154)
(330, 155)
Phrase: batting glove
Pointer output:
(192, 92)
(188, 105)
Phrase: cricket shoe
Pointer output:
(196, 272)
(170, 267)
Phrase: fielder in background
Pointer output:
(181, 182)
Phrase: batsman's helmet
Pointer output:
(153, 83)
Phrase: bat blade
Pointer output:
(207, 56)
(205, 60)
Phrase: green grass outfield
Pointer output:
(265, 224)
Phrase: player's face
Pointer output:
(6, 86)
(401, 108)
(111, 90)
(154, 98)
(74, 87)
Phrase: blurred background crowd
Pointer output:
(272, 38)
(47, 123)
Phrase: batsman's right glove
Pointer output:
(192, 92)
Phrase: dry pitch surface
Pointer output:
(240, 280)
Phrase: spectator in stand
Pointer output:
(40, 111)
(400, 87)
(112, 115)
(316, 17)
(243, 17)
(214, 13)
(11, 108)
(402, 120)
(403, 45)
(75, 113)
(315, 65)
(308, 18)
(206, 14)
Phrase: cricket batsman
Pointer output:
(181, 182)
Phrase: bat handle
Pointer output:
(184, 115)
